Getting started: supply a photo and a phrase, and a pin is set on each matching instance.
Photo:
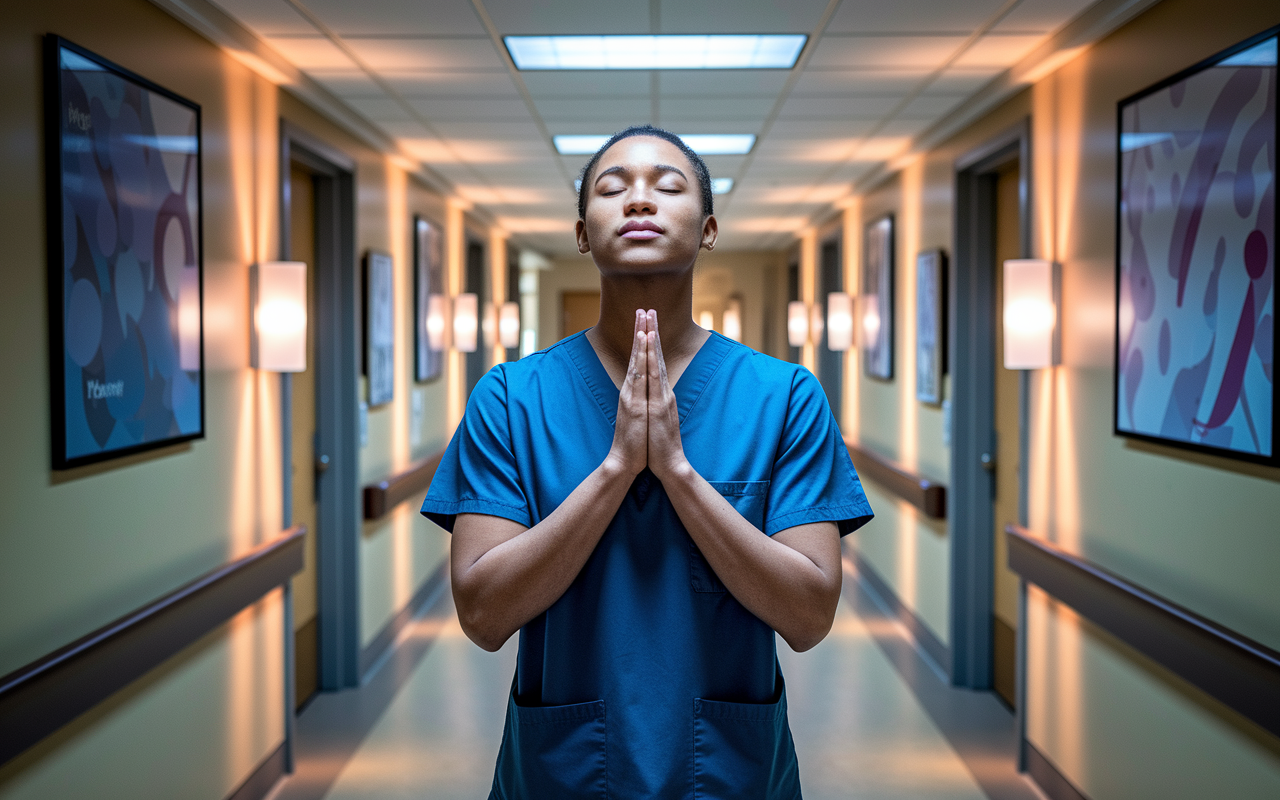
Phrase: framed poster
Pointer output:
(428, 294)
(126, 350)
(379, 328)
(1196, 257)
(877, 298)
(931, 325)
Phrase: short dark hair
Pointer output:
(700, 171)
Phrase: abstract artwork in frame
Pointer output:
(876, 311)
(428, 277)
(1196, 260)
(931, 325)
(379, 330)
(123, 198)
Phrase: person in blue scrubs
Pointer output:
(647, 503)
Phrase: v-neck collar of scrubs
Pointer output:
(695, 378)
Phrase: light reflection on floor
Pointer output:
(859, 731)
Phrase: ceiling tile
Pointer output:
(858, 81)
(998, 50)
(713, 109)
(346, 82)
(461, 108)
(911, 16)
(1041, 16)
(400, 17)
(566, 17)
(787, 128)
(311, 52)
(884, 51)
(734, 16)
(695, 123)
(451, 84)
(963, 81)
(380, 108)
(405, 130)
(722, 82)
(848, 108)
(504, 129)
(429, 54)
(267, 17)
(565, 115)
(588, 83)
(931, 107)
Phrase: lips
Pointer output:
(640, 230)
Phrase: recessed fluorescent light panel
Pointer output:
(721, 185)
(774, 51)
(704, 144)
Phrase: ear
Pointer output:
(710, 232)
(580, 232)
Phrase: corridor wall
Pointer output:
(1199, 530)
(83, 547)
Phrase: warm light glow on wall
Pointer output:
(707, 320)
(489, 325)
(189, 319)
(1030, 314)
(839, 321)
(797, 323)
(816, 323)
(466, 323)
(870, 317)
(509, 324)
(437, 330)
(732, 320)
(278, 291)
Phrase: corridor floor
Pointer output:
(871, 719)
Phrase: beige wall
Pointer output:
(1198, 530)
(80, 548)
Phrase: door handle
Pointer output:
(988, 462)
(322, 464)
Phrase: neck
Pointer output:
(671, 295)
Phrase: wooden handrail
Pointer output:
(41, 697)
(924, 494)
(386, 494)
(1239, 672)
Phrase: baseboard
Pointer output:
(1052, 782)
(263, 779)
(430, 588)
(932, 647)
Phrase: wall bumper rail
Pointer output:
(386, 494)
(1233, 669)
(43, 696)
(924, 494)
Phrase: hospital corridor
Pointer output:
(670, 399)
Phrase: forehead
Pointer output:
(638, 152)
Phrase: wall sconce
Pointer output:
(489, 325)
(466, 325)
(839, 321)
(278, 296)
(732, 320)
(437, 330)
(1030, 313)
(797, 323)
(870, 316)
(509, 325)
(707, 320)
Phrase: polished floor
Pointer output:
(871, 719)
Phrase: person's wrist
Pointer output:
(615, 467)
(678, 469)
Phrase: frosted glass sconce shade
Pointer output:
(437, 330)
(732, 320)
(278, 292)
(797, 323)
(466, 323)
(1030, 314)
(509, 325)
(839, 321)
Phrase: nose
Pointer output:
(640, 199)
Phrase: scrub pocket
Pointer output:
(744, 751)
(552, 751)
(747, 498)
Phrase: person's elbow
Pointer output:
(477, 619)
(814, 619)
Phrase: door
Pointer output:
(578, 311)
(830, 362)
(302, 247)
(1008, 469)
(477, 361)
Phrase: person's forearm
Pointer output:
(780, 585)
(522, 577)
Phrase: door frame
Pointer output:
(830, 363)
(972, 331)
(338, 334)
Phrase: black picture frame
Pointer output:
(1200, 270)
(428, 281)
(876, 298)
(125, 237)
(379, 327)
(931, 325)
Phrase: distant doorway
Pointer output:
(477, 360)
(578, 311)
(830, 362)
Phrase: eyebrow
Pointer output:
(626, 171)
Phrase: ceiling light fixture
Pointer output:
(774, 51)
(721, 185)
(704, 144)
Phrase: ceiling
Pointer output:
(434, 76)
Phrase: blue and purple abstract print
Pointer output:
(1196, 327)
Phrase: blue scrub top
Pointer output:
(647, 679)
